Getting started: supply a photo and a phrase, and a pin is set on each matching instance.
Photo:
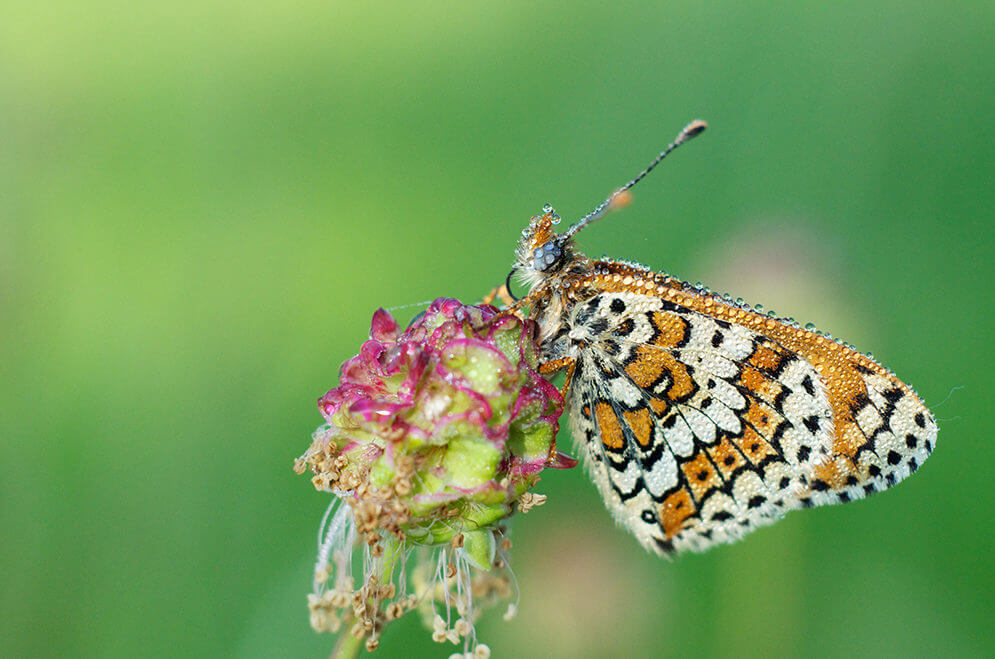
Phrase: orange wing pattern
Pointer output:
(703, 420)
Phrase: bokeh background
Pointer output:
(201, 204)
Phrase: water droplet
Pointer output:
(810, 327)
(726, 296)
(759, 308)
(547, 208)
(740, 301)
(771, 314)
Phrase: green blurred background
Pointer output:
(201, 204)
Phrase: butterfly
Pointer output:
(702, 419)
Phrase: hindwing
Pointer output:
(699, 428)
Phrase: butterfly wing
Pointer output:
(704, 421)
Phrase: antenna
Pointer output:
(690, 131)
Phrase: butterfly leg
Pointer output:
(568, 363)
(557, 459)
(499, 293)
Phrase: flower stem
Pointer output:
(392, 552)
(348, 646)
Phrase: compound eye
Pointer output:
(547, 256)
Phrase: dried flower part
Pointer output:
(433, 437)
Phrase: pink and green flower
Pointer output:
(433, 438)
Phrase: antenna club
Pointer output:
(694, 129)
(621, 196)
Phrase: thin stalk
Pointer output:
(348, 646)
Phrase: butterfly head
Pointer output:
(542, 252)
(540, 249)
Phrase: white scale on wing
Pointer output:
(663, 475)
(678, 437)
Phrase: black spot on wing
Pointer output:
(892, 395)
(599, 326)
(807, 385)
(624, 328)
(860, 401)
(756, 502)
(665, 546)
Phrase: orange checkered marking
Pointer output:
(753, 446)
(831, 474)
(726, 458)
(672, 328)
(641, 424)
(761, 417)
(701, 475)
(848, 438)
(675, 509)
(645, 367)
(768, 357)
(683, 384)
(611, 429)
(758, 383)
(659, 406)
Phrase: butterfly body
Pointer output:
(701, 419)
